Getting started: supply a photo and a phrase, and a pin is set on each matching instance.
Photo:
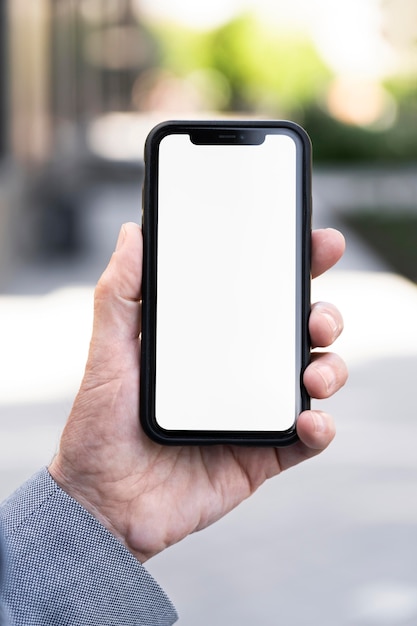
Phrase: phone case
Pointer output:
(149, 284)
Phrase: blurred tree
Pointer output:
(335, 142)
(266, 71)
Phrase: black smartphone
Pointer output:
(226, 282)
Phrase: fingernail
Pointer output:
(333, 324)
(326, 373)
(121, 238)
(320, 424)
(330, 319)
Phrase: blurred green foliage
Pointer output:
(267, 72)
(263, 71)
(335, 142)
(250, 67)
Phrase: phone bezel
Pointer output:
(225, 133)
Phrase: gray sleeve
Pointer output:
(65, 568)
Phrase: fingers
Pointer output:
(327, 372)
(325, 375)
(327, 246)
(325, 324)
(117, 294)
(316, 430)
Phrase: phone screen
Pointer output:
(228, 326)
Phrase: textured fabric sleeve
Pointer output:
(65, 568)
(3, 620)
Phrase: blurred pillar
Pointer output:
(24, 131)
(29, 80)
(6, 179)
(3, 80)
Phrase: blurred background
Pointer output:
(81, 84)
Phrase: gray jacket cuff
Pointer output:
(65, 568)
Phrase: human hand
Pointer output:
(151, 496)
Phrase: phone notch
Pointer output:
(228, 136)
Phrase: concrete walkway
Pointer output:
(330, 543)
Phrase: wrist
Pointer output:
(89, 499)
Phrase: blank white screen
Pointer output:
(226, 320)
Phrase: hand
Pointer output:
(151, 496)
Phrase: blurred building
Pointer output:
(66, 66)
(3, 80)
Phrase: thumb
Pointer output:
(118, 291)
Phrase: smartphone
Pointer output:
(226, 282)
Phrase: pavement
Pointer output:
(331, 542)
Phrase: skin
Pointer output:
(151, 496)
